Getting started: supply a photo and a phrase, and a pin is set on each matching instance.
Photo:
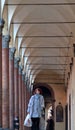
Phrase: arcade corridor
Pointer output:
(37, 49)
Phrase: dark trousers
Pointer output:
(35, 123)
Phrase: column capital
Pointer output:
(68, 75)
(13, 49)
(23, 76)
(74, 49)
(5, 41)
(20, 69)
(72, 60)
(2, 22)
(11, 53)
(71, 64)
(16, 62)
(26, 81)
(70, 67)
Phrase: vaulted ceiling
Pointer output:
(43, 33)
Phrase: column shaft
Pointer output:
(20, 97)
(23, 110)
(25, 101)
(1, 26)
(1, 81)
(5, 82)
(16, 92)
(11, 87)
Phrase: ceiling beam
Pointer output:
(52, 75)
(45, 69)
(49, 78)
(45, 22)
(44, 64)
(47, 47)
(42, 36)
(42, 4)
(46, 56)
(51, 83)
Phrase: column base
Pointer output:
(4, 128)
(1, 128)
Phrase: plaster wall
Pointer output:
(60, 96)
(71, 93)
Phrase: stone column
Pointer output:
(25, 98)
(23, 107)
(11, 87)
(16, 92)
(1, 27)
(5, 81)
(20, 97)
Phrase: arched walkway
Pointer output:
(37, 49)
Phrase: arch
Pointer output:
(46, 86)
